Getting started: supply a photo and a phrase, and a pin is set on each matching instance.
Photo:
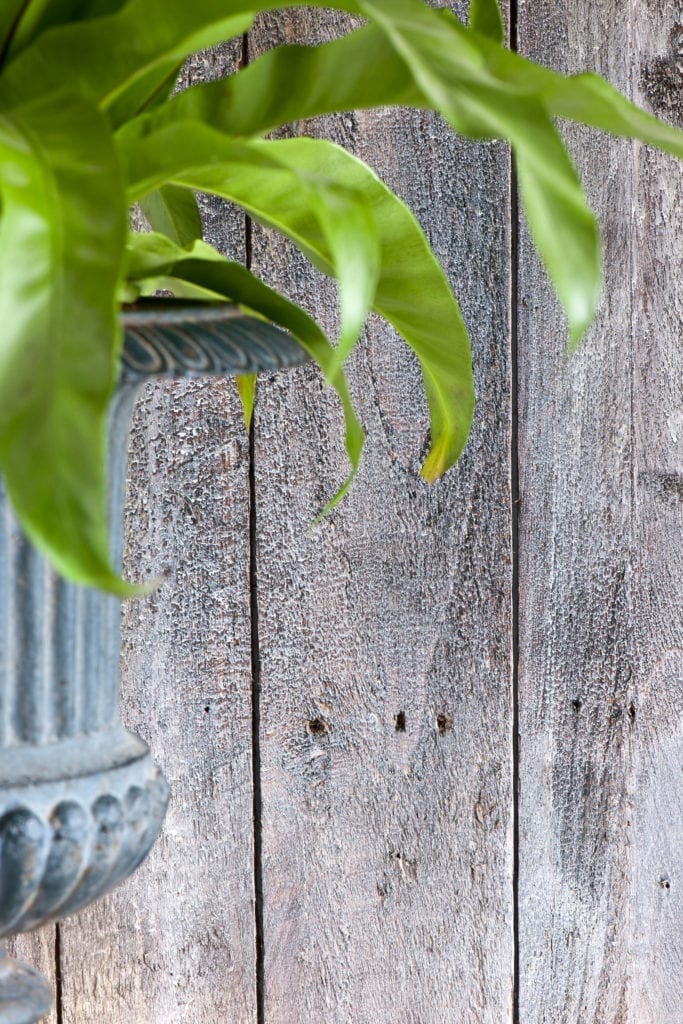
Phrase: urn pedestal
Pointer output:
(81, 800)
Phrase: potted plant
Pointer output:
(89, 125)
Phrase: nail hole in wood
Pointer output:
(318, 727)
(577, 704)
(444, 723)
(632, 711)
(207, 708)
(664, 882)
(400, 721)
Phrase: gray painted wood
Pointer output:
(176, 944)
(656, 918)
(385, 635)
(601, 572)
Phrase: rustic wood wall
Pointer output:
(600, 565)
(426, 760)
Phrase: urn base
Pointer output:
(25, 996)
(65, 841)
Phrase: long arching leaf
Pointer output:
(10, 16)
(586, 98)
(448, 67)
(293, 83)
(331, 222)
(146, 92)
(412, 293)
(39, 15)
(102, 58)
(62, 235)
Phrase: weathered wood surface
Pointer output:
(386, 890)
(176, 944)
(656, 918)
(601, 572)
(385, 635)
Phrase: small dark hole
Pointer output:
(664, 882)
(317, 727)
(577, 704)
(632, 711)
(400, 721)
(207, 708)
(444, 723)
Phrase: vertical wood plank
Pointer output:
(175, 944)
(600, 575)
(386, 636)
(656, 913)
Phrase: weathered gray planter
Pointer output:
(81, 800)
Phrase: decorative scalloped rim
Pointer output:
(182, 339)
(76, 862)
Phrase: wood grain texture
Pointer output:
(385, 635)
(600, 574)
(175, 945)
(656, 914)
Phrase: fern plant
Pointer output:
(89, 124)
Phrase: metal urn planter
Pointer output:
(81, 800)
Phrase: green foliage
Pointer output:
(72, 160)
(39, 15)
(174, 212)
(246, 385)
(62, 236)
(486, 17)
(10, 14)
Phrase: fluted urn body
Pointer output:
(81, 800)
